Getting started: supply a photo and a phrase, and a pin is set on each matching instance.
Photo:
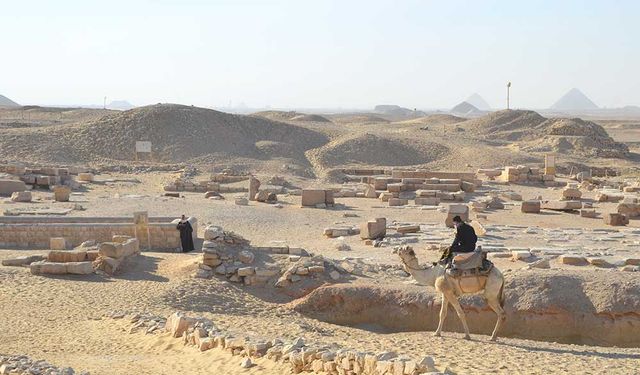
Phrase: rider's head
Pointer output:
(457, 220)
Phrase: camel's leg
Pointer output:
(443, 315)
(456, 305)
(495, 306)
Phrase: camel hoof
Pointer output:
(436, 334)
(494, 339)
(467, 337)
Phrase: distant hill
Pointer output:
(465, 109)
(478, 101)
(6, 102)
(574, 100)
(122, 105)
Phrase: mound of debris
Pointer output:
(177, 133)
(21, 364)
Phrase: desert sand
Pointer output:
(67, 320)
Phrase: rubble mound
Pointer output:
(575, 136)
(369, 149)
(438, 119)
(555, 305)
(178, 134)
(359, 118)
(310, 118)
(506, 125)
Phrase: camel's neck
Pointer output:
(425, 276)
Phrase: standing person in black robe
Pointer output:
(184, 226)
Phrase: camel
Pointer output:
(491, 287)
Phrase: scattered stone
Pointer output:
(574, 260)
(615, 219)
(21, 196)
(531, 207)
(246, 363)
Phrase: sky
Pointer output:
(319, 54)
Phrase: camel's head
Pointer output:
(406, 253)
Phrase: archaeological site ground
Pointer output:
(297, 220)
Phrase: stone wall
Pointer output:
(35, 232)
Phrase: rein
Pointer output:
(412, 268)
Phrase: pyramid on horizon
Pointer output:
(574, 100)
(6, 102)
(478, 101)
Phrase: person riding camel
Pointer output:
(465, 241)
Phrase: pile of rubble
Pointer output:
(86, 259)
(17, 181)
(297, 353)
(215, 183)
(519, 174)
(21, 364)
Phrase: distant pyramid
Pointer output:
(465, 108)
(121, 105)
(6, 102)
(574, 100)
(477, 101)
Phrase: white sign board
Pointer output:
(143, 146)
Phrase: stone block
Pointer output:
(408, 229)
(21, 196)
(512, 195)
(468, 187)
(61, 256)
(561, 205)
(629, 209)
(57, 243)
(398, 202)
(85, 177)
(571, 194)
(50, 268)
(589, 213)
(574, 260)
(79, 268)
(615, 219)
(374, 229)
(427, 201)
(8, 187)
(111, 250)
(598, 262)
(456, 210)
(530, 207)
(22, 261)
(312, 197)
(245, 271)
(241, 201)
(61, 193)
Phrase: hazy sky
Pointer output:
(351, 54)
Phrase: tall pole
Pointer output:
(104, 103)
(508, 87)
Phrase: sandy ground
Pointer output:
(60, 319)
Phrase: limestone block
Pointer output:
(456, 210)
(520, 254)
(374, 229)
(8, 187)
(598, 262)
(212, 232)
(61, 256)
(241, 201)
(561, 205)
(177, 324)
(22, 261)
(589, 213)
(408, 229)
(85, 177)
(629, 209)
(111, 250)
(61, 193)
(398, 202)
(571, 194)
(512, 195)
(246, 257)
(615, 219)
(574, 260)
(79, 268)
(530, 207)
(57, 243)
(21, 196)
(131, 247)
(427, 201)
(245, 271)
(51, 268)
(311, 197)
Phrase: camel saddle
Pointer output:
(470, 264)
